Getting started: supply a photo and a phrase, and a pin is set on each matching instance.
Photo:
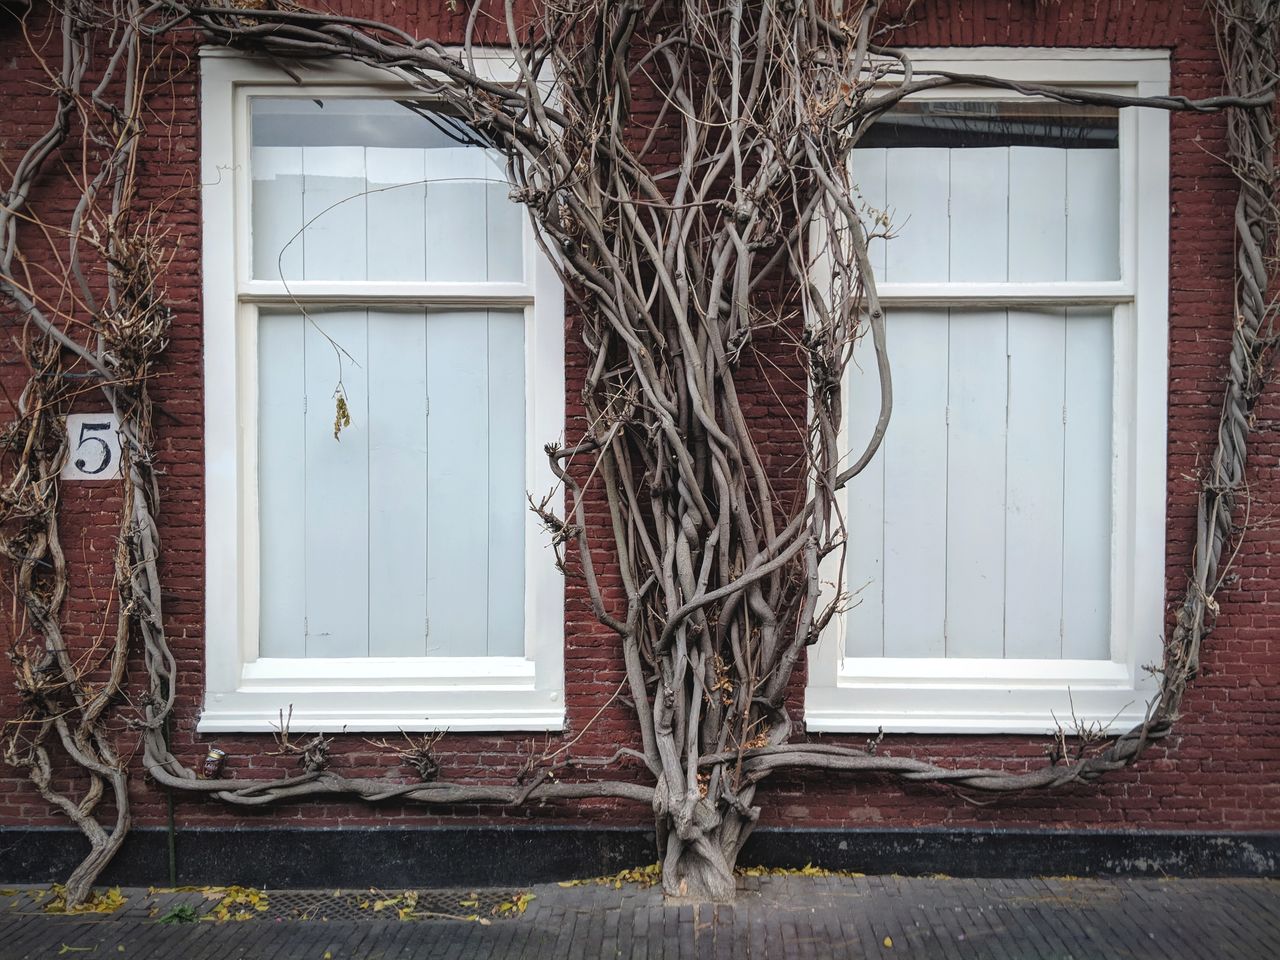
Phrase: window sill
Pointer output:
(977, 697)
(385, 695)
(383, 673)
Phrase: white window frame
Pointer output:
(244, 692)
(939, 695)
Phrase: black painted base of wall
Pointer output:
(287, 856)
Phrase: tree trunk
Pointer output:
(79, 886)
(697, 864)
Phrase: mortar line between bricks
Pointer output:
(1130, 916)
(1212, 925)
(1228, 931)
(30, 927)
(351, 944)
(1172, 930)
(1065, 919)
(952, 917)
(1269, 920)
(207, 946)
(928, 934)
(32, 932)
(281, 941)
(1037, 916)
(975, 909)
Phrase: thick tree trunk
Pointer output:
(697, 864)
(79, 886)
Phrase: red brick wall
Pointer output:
(1213, 774)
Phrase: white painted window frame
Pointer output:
(939, 695)
(245, 692)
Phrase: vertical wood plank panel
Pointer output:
(869, 179)
(1033, 563)
(457, 246)
(975, 483)
(504, 223)
(277, 212)
(864, 561)
(916, 191)
(1093, 214)
(397, 471)
(915, 486)
(507, 504)
(281, 485)
(337, 488)
(1086, 577)
(979, 221)
(396, 212)
(334, 195)
(457, 482)
(1037, 213)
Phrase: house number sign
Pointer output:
(93, 447)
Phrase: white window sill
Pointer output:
(378, 695)
(388, 672)
(977, 696)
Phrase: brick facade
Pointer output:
(1215, 773)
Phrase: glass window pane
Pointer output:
(982, 191)
(377, 189)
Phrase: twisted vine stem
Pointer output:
(680, 255)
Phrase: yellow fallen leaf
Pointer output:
(888, 942)
(645, 876)
(234, 901)
(109, 901)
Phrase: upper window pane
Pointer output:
(377, 189)
(984, 190)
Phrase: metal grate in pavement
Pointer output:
(373, 905)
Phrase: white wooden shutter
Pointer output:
(404, 536)
(983, 527)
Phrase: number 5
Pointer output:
(80, 461)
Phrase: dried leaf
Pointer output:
(109, 901)
(238, 903)
(341, 413)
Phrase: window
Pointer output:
(383, 362)
(1006, 546)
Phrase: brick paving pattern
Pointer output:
(775, 916)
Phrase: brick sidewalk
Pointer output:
(780, 916)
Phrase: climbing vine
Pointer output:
(679, 251)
